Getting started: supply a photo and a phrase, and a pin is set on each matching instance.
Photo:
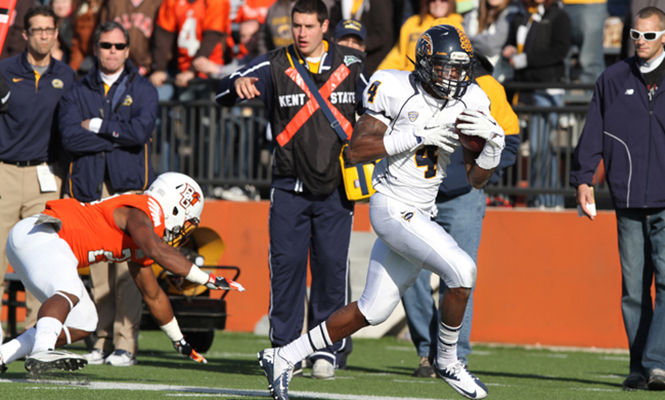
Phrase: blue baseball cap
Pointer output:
(350, 27)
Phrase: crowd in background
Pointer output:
(176, 41)
(179, 44)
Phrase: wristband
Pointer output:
(172, 330)
(488, 158)
(197, 276)
(400, 142)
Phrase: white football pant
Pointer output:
(46, 264)
(409, 240)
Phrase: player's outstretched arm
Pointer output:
(153, 295)
(138, 225)
(367, 140)
(160, 308)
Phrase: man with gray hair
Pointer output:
(106, 122)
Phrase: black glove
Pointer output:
(186, 350)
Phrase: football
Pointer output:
(473, 143)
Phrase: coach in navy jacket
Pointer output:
(120, 150)
(625, 127)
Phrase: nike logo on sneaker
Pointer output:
(471, 395)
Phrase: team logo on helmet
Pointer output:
(189, 196)
(465, 43)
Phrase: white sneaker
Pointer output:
(96, 356)
(120, 358)
(54, 359)
(278, 371)
(463, 381)
(323, 369)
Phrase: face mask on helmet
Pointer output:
(444, 61)
(181, 199)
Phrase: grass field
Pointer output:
(378, 370)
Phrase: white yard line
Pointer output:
(193, 391)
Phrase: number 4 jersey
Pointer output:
(398, 99)
(91, 231)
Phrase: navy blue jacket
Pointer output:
(628, 133)
(121, 149)
(29, 129)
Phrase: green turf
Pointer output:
(376, 367)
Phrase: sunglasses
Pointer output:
(39, 31)
(648, 36)
(107, 45)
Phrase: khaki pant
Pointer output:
(119, 303)
(20, 197)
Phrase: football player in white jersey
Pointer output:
(410, 123)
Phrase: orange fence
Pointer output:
(544, 277)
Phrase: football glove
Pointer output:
(220, 283)
(186, 350)
(485, 126)
(440, 135)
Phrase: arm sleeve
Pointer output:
(589, 150)
(4, 95)
(214, 26)
(136, 130)
(164, 35)
(76, 139)
(258, 68)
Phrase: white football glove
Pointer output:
(440, 135)
(484, 126)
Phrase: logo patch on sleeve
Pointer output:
(155, 212)
(348, 60)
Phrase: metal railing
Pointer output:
(221, 146)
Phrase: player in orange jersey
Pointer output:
(46, 250)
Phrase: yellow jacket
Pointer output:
(500, 109)
(411, 31)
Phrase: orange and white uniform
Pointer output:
(190, 20)
(46, 260)
(91, 232)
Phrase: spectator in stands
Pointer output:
(414, 27)
(537, 47)
(200, 27)
(461, 210)
(310, 216)
(15, 43)
(276, 31)
(63, 47)
(487, 27)
(30, 174)
(84, 21)
(106, 122)
(250, 17)
(377, 17)
(624, 128)
(350, 33)
(587, 20)
(138, 19)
